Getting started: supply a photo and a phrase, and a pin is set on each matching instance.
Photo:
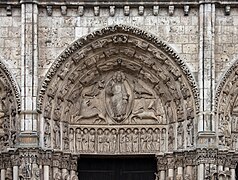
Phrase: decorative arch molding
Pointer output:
(114, 85)
(150, 38)
(10, 80)
(9, 108)
(226, 103)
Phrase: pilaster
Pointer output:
(29, 65)
(206, 78)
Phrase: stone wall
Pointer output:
(48, 47)
(10, 39)
(179, 31)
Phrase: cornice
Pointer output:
(119, 3)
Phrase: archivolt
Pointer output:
(226, 107)
(226, 88)
(132, 43)
(10, 82)
(9, 106)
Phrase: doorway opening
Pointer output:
(117, 168)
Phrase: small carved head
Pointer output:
(85, 130)
(135, 131)
(157, 131)
(114, 131)
(100, 131)
(92, 131)
(78, 131)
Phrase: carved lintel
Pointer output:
(96, 10)
(171, 10)
(49, 10)
(63, 10)
(126, 10)
(141, 10)
(112, 10)
(227, 10)
(9, 10)
(81, 10)
(155, 10)
(186, 10)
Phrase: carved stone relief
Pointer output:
(116, 140)
(118, 80)
(227, 113)
(8, 115)
(29, 166)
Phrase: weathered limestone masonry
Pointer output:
(118, 78)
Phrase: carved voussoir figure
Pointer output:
(224, 133)
(57, 136)
(180, 136)
(47, 133)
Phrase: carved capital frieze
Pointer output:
(74, 163)
(46, 158)
(65, 161)
(171, 162)
(161, 163)
(57, 160)
(15, 160)
(206, 156)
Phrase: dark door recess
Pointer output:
(117, 168)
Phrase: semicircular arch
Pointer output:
(119, 75)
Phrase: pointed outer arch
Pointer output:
(222, 83)
(13, 84)
(110, 30)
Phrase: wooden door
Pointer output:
(120, 168)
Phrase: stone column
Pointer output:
(3, 172)
(161, 167)
(29, 62)
(74, 167)
(65, 166)
(221, 158)
(233, 174)
(233, 169)
(189, 170)
(200, 172)
(15, 164)
(57, 166)
(179, 165)
(46, 162)
(15, 173)
(170, 167)
(206, 67)
(46, 170)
